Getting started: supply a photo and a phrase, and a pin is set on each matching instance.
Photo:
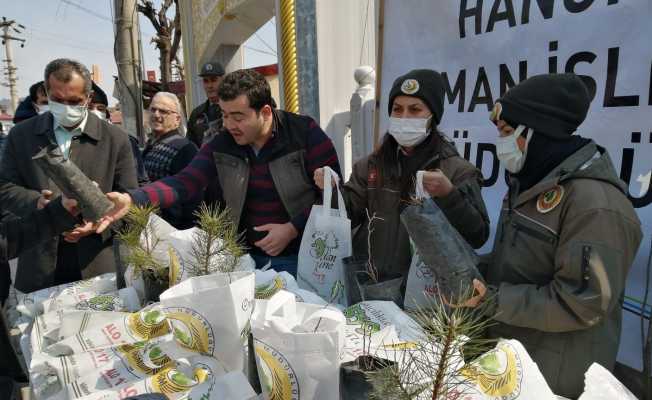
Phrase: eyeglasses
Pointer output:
(161, 111)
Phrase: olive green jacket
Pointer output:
(390, 244)
(560, 261)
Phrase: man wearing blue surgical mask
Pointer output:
(101, 150)
(383, 183)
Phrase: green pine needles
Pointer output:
(141, 239)
(217, 245)
(432, 368)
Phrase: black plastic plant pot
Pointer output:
(7, 387)
(153, 288)
(388, 290)
(354, 384)
(73, 183)
(252, 370)
(441, 247)
(353, 265)
(149, 396)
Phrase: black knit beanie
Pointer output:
(425, 84)
(552, 104)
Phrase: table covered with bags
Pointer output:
(252, 334)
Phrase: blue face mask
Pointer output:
(65, 115)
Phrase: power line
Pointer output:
(49, 34)
(259, 51)
(88, 11)
(265, 43)
(61, 42)
(10, 69)
(243, 20)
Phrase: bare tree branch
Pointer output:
(146, 8)
(168, 33)
(176, 28)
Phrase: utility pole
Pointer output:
(10, 69)
(127, 58)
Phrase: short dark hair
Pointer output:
(35, 89)
(63, 70)
(248, 82)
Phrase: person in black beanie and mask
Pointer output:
(566, 237)
(384, 183)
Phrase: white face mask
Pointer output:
(99, 114)
(41, 109)
(66, 115)
(508, 151)
(409, 132)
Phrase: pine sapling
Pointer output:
(432, 370)
(216, 246)
(140, 238)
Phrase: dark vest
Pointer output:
(294, 186)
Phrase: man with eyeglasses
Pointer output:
(99, 106)
(168, 152)
(101, 150)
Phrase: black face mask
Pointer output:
(545, 154)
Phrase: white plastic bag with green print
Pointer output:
(368, 330)
(506, 372)
(297, 347)
(211, 313)
(81, 374)
(191, 377)
(326, 241)
(92, 330)
(270, 282)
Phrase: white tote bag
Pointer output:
(326, 241)
(210, 314)
(298, 348)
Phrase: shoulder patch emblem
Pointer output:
(547, 201)
(410, 86)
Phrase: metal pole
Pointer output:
(11, 70)
(380, 43)
(289, 67)
(127, 58)
(307, 60)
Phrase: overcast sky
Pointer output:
(82, 30)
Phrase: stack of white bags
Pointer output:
(89, 341)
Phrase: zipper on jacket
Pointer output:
(531, 232)
(244, 177)
(586, 259)
(516, 227)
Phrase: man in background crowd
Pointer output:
(34, 104)
(168, 152)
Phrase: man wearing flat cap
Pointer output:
(206, 120)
